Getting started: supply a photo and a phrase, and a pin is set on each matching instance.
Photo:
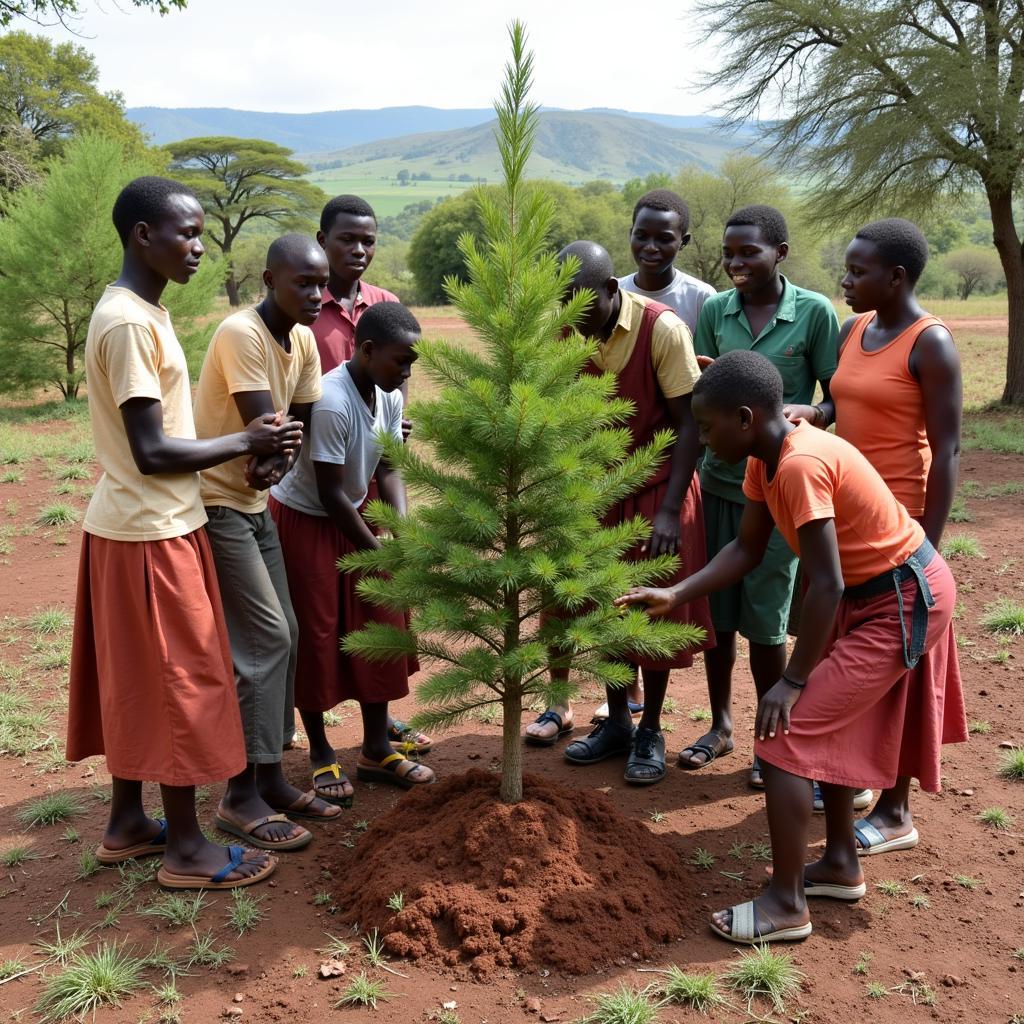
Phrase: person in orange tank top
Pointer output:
(895, 356)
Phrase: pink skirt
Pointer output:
(152, 686)
(327, 607)
(863, 718)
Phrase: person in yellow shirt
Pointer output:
(259, 360)
(151, 684)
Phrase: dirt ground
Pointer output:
(959, 940)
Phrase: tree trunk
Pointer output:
(1007, 243)
(511, 746)
(231, 287)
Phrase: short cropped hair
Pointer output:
(900, 243)
(740, 378)
(596, 267)
(144, 199)
(385, 322)
(667, 200)
(344, 204)
(766, 219)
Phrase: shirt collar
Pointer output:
(786, 309)
(326, 297)
(625, 318)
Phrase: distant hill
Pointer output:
(331, 130)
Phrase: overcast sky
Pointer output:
(307, 55)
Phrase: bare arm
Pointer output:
(827, 405)
(664, 538)
(330, 481)
(729, 566)
(391, 487)
(264, 472)
(156, 452)
(936, 364)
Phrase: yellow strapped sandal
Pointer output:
(337, 778)
(395, 770)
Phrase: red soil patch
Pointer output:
(562, 879)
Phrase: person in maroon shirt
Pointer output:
(348, 235)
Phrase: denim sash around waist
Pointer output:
(893, 579)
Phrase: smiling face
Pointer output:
(349, 244)
(389, 363)
(298, 284)
(728, 433)
(750, 262)
(868, 282)
(172, 245)
(656, 239)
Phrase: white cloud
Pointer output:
(322, 55)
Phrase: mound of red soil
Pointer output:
(561, 880)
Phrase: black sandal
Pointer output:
(549, 741)
(648, 753)
(608, 739)
(710, 752)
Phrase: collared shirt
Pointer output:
(335, 327)
(671, 347)
(800, 339)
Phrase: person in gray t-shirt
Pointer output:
(661, 227)
(317, 511)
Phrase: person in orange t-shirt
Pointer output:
(878, 597)
(897, 358)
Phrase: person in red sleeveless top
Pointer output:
(649, 350)
(896, 358)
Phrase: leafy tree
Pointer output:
(434, 254)
(976, 269)
(58, 251)
(240, 181)
(42, 11)
(889, 106)
(50, 89)
(523, 460)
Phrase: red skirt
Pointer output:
(692, 556)
(152, 686)
(863, 718)
(327, 607)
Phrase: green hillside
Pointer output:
(572, 147)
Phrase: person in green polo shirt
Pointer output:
(796, 329)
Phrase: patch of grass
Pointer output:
(396, 902)
(702, 859)
(245, 911)
(175, 908)
(1018, 954)
(1000, 657)
(966, 882)
(920, 992)
(160, 958)
(49, 809)
(57, 515)
(336, 949)
(49, 620)
(920, 902)
(17, 855)
(332, 718)
(979, 727)
(167, 994)
(300, 971)
(994, 433)
(961, 545)
(996, 817)
(891, 888)
(60, 948)
(12, 476)
(204, 951)
(876, 990)
(374, 945)
(699, 715)
(958, 512)
(90, 980)
(695, 991)
(762, 972)
(361, 826)
(12, 968)
(322, 898)
(863, 963)
(761, 851)
(88, 864)
(657, 816)
(1004, 616)
(73, 472)
(737, 851)
(1011, 764)
(363, 991)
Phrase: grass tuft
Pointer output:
(91, 980)
(702, 859)
(863, 963)
(336, 949)
(50, 620)
(245, 912)
(1004, 616)
(876, 990)
(88, 864)
(204, 951)
(623, 1006)
(891, 888)
(49, 809)
(761, 972)
(363, 991)
(966, 882)
(57, 515)
(1011, 764)
(699, 715)
(696, 991)
(17, 855)
(979, 727)
(176, 909)
(996, 817)
(396, 902)
(12, 968)
(961, 545)
(374, 945)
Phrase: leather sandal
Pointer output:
(607, 739)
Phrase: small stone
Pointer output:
(237, 998)
(331, 969)
(967, 792)
(453, 988)
(237, 969)
(636, 955)
(1006, 745)
(450, 1005)
(951, 980)
(233, 1011)
(531, 1004)
(549, 1017)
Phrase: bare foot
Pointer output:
(549, 730)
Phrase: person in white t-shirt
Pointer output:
(661, 227)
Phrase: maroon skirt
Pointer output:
(692, 556)
(327, 607)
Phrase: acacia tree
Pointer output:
(239, 181)
(58, 251)
(48, 11)
(518, 457)
(975, 267)
(890, 105)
